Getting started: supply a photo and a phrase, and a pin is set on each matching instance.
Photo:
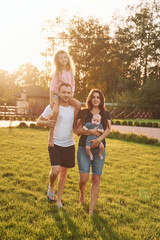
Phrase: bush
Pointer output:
(6, 118)
(149, 124)
(22, 125)
(136, 124)
(143, 124)
(33, 118)
(19, 118)
(124, 123)
(112, 122)
(33, 125)
(133, 138)
(129, 123)
(117, 123)
(155, 125)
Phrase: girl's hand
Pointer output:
(95, 143)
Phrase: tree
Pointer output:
(139, 43)
(27, 75)
(88, 44)
(7, 88)
(149, 98)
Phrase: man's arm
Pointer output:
(43, 122)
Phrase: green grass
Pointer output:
(131, 137)
(128, 206)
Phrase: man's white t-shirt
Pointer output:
(63, 131)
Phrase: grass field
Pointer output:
(128, 206)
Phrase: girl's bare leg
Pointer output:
(54, 117)
(75, 103)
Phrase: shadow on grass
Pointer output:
(67, 227)
(104, 229)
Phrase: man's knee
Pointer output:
(54, 170)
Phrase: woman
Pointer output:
(94, 104)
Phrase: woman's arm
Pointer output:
(81, 131)
(95, 142)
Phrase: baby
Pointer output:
(95, 121)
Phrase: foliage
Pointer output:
(136, 124)
(149, 124)
(22, 125)
(120, 65)
(143, 124)
(27, 75)
(133, 138)
(155, 125)
(124, 63)
(128, 203)
(149, 97)
(124, 123)
(33, 125)
(129, 123)
(7, 88)
(117, 122)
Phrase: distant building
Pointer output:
(22, 104)
(32, 100)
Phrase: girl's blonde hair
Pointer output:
(70, 64)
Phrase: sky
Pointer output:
(21, 22)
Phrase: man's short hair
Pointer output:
(66, 85)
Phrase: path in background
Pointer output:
(149, 132)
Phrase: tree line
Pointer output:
(121, 58)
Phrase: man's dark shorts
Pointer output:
(63, 156)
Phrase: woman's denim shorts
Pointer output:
(84, 162)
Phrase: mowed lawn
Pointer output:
(128, 206)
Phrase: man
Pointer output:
(62, 155)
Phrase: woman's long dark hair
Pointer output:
(89, 105)
(90, 96)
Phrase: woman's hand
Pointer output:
(95, 143)
(95, 131)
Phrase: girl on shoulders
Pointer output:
(64, 73)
